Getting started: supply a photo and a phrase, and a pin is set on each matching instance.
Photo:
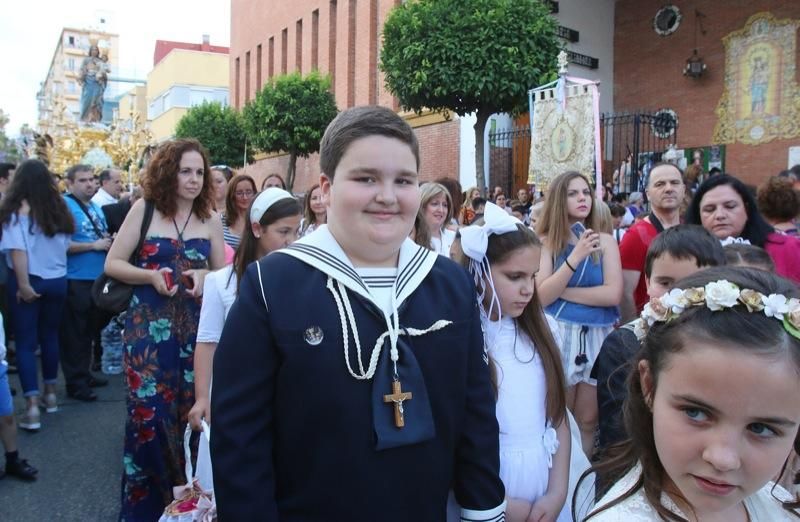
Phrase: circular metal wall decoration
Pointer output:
(664, 123)
(667, 20)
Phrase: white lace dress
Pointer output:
(762, 506)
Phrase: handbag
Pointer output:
(111, 294)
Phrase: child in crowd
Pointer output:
(478, 208)
(674, 254)
(274, 218)
(300, 434)
(617, 215)
(518, 211)
(605, 222)
(742, 254)
(713, 403)
(535, 442)
(580, 286)
(536, 213)
(15, 466)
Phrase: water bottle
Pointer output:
(111, 341)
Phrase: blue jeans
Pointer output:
(36, 324)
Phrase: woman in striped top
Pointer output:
(241, 191)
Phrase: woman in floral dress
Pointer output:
(183, 241)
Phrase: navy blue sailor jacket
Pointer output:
(295, 437)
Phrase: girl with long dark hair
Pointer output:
(37, 226)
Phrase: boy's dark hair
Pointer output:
(478, 203)
(519, 208)
(78, 168)
(685, 242)
(616, 210)
(742, 254)
(619, 197)
(5, 169)
(361, 122)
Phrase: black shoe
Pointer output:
(21, 469)
(97, 382)
(85, 395)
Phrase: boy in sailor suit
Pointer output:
(350, 382)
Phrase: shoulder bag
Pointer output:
(111, 294)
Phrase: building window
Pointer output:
(71, 87)
(332, 45)
(236, 84)
(298, 47)
(315, 39)
(284, 50)
(351, 53)
(71, 64)
(70, 41)
(271, 58)
(258, 67)
(246, 77)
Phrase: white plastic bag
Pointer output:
(202, 471)
(193, 503)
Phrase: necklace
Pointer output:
(181, 230)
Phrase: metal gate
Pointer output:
(640, 135)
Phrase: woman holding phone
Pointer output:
(182, 242)
(580, 286)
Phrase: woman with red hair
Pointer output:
(182, 242)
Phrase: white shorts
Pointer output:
(579, 349)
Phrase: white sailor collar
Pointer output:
(323, 252)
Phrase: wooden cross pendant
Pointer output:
(397, 397)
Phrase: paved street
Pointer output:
(78, 453)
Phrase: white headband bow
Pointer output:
(266, 199)
(475, 238)
(474, 241)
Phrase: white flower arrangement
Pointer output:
(730, 240)
(719, 295)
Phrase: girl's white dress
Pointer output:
(763, 505)
(527, 441)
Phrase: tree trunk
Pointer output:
(480, 126)
(291, 171)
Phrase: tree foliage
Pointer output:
(220, 130)
(9, 152)
(469, 56)
(289, 114)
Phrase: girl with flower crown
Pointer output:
(713, 404)
(535, 443)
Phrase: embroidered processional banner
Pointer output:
(761, 101)
(563, 132)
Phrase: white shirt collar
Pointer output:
(323, 252)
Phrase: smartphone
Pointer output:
(187, 281)
(168, 280)
(578, 229)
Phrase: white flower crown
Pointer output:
(718, 296)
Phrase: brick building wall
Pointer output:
(648, 73)
(341, 38)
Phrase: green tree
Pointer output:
(220, 130)
(8, 147)
(289, 114)
(469, 56)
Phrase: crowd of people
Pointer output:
(566, 354)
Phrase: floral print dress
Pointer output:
(159, 341)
